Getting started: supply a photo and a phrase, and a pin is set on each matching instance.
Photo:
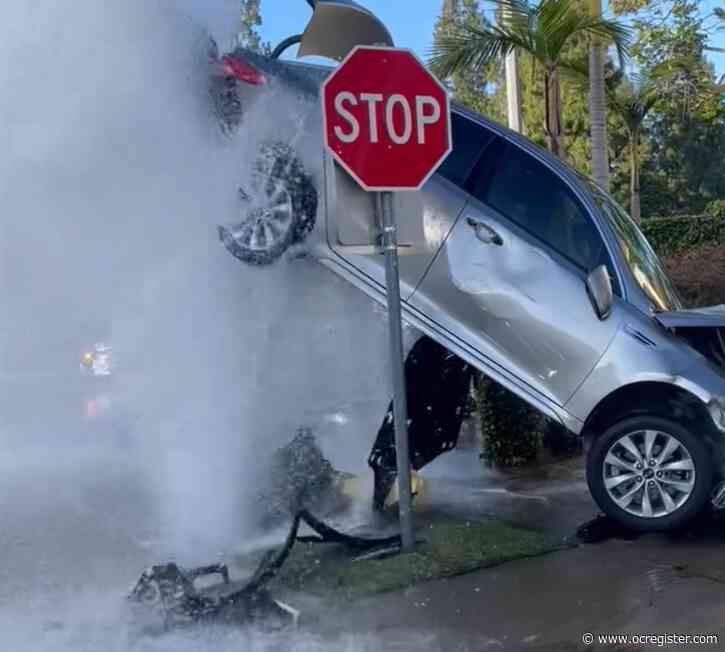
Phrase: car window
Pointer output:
(532, 196)
(646, 267)
(469, 140)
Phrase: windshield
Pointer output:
(646, 267)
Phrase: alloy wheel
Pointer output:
(649, 473)
(269, 220)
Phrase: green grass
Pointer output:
(447, 548)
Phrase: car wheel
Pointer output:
(650, 473)
(280, 210)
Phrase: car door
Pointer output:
(424, 218)
(509, 283)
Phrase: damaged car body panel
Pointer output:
(505, 285)
(710, 317)
(503, 257)
(653, 358)
(703, 328)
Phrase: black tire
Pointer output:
(281, 209)
(692, 451)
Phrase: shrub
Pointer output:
(699, 274)
(716, 208)
(670, 236)
(511, 430)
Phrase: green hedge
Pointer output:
(716, 208)
(512, 431)
(673, 235)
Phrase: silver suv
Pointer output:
(517, 264)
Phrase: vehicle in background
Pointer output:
(517, 264)
(97, 362)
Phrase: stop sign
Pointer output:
(386, 119)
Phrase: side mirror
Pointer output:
(599, 289)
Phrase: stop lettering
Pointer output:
(387, 119)
(402, 121)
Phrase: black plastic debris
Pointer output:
(300, 479)
(328, 534)
(171, 591)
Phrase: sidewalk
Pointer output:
(653, 585)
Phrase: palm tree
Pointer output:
(544, 31)
(598, 105)
(632, 99)
(513, 88)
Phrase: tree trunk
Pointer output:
(634, 178)
(598, 106)
(552, 99)
(513, 88)
(513, 91)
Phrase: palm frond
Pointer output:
(633, 99)
(472, 48)
(611, 32)
(543, 30)
(562, 20)
(552, 24)
(575, 70)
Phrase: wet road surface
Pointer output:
(81, 519)
(654, 584)
(81, 515)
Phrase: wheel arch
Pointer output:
(653, 398)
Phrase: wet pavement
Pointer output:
(79, 524)
(645, 586)
(653, 584)
(80, 521)
(552, 497)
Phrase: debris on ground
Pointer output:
(170, 592)
(300, 479)
(330, 564)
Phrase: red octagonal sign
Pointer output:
(387, 120)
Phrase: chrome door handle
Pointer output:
(484, 232)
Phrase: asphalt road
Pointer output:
(83, 510)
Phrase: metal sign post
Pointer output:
(397, 367)
(387, 122)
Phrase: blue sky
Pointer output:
(410, 21)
